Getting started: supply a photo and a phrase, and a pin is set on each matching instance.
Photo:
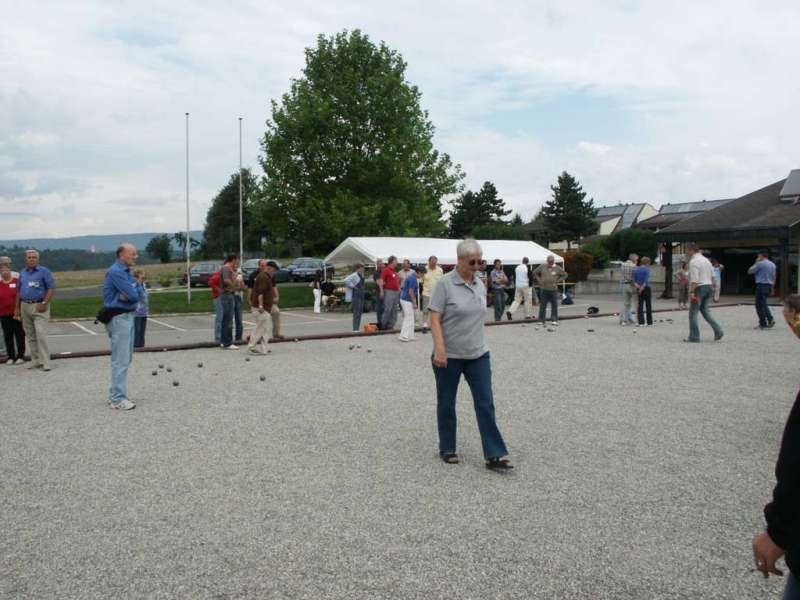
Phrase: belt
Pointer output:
(31, 301)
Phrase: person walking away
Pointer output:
(214, 284)
(409, 298)
(641, 279)
(227, 288)
(523, 291)
(459, 348)
(391, 293)
(628, 289)
(142, 309)
(717, 269)
(316, 289)
(782, 536)
(262, 299)
(354, 294)
(13, 334)
(429, 280)
(548, 276)
(682, 282)
(36, 289)
(120, 298)
(764, 272)
(275, 313)
(376, 277)
(701, 276)
(499, 281)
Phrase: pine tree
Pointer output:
(476, 209)
(568, 215)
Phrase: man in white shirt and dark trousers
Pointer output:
(629, 291)
(701, 291)
(523, 293)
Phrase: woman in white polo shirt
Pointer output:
(457, 323)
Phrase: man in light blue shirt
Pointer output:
(121, 294)
(764, 272)
(355, 294)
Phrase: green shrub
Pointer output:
(165, 281)
(641, 241)
(599, 252)
(577, 264)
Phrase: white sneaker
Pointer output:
(32, 365)
(19, 362)
(124, 405)
(231, 347)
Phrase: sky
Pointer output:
(641, 101)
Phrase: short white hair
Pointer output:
(31, 251)
(468, 247)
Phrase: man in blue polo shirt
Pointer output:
(36, 289)
(764, 272)
(120, 296)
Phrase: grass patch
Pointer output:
(93, 277)
(171, 302)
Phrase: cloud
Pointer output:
(640, 101)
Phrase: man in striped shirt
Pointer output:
(629, 291)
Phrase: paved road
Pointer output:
(642, 465)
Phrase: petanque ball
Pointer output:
(246, 359)
(263, 378)
(175, 383)
(160, 366)
(169, 369)
(155, 373)
(590, 330)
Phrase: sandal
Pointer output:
(499, 464)
(450, 459)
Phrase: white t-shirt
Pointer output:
(521, 276)
(700, 270)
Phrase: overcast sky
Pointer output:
(641, 101)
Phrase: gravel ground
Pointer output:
(642, 467)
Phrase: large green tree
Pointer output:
(568, 215)
(221, 235)
(160, 247)
(478, 209)
(349, 151)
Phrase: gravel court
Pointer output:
(642, 467)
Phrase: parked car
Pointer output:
(304, 268)
(251, 265)
(201, 273)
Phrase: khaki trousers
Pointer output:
(276, 321)
(522, 296)
(35, 325)
(259, 337)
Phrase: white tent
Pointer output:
(417, 250)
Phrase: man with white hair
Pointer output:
(36, 289)
(701, 291)
(523, 292)
(629, 291)
(548, 276)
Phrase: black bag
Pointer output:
(105, 314)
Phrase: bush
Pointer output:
(641, 241)
(165, 281)
(577, 264)
(599, 252)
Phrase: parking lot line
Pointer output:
(166, 324)
(82, 328)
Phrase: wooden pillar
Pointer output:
(784, 276)
(667, 261)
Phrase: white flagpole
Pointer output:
(241, 238)
(188, 240)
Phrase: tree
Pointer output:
(160, 247)
(349, 151)
(180, 239)
(221, 235)
(472, 210)
(568, 216)
(641, 241)
(599, 251)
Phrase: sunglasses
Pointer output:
(474, 262)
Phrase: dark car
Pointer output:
(250, 266)
(201, 273)
(304, 268)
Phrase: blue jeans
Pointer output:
(792, 590)
(763, 291)
(237, 317)
(705, 293)
(478, 373)
(139, 328)
(226, 334)
(548, 297)
(120, 332)
(217, 320)
(358, 309)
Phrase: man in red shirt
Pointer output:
(13, 334)
(390, 293)
(213, 283)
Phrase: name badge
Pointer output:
(12, 285)
(33, 284)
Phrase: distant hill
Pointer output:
(101, 243)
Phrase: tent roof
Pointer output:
(417, 250)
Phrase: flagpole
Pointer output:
(188, 240)
(241, 237)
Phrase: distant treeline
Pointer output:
(65, 259)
